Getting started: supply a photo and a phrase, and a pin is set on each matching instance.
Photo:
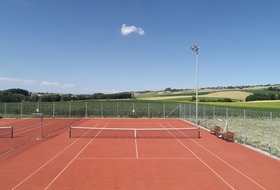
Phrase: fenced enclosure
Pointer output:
(258, 129)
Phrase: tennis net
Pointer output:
(6, 132)
(92, 132)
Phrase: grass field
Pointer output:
(238, 97)
(255, 130)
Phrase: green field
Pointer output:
(237, 96)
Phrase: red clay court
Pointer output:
(99, 157)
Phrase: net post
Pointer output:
(12, 132)
(70, 132)
(199, 132)
(41, 126)
(135, 133)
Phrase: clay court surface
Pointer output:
(58, 162)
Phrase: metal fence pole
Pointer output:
(270, 133)
(117, 109)
(53, 109)
(69, 109)
(86, 111)
(148, 110)
(20, 109)
(204, 113)
(190, 112)
(180, 111)
(163, 110)
(214, 115)
(101, 109)
(5, 111)
(244, 127)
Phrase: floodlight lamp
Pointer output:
(195, 48)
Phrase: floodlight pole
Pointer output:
(195, 49)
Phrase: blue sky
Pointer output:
(109, 46)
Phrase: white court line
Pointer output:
(136, 148)
(46, 163)
(230, 165)
(200, 159)
(225, 162)
(73, 159)
(31, 129)
(29, 126)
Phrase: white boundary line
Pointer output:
(200, 159)
(73, 159)
(229, 165)
(225, 162)
(136, 148)
(46, 163)
(135, 158)
(31, 129)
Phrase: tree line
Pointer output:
(259, 97)
(262, 96)
(21, 95)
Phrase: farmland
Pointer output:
(212, 97)
(255, 123)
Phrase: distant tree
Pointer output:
(18, 91)
(167, 89)
(66, 97)
(193, 98)
(227, 100)
(34, 98)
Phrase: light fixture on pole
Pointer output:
(195, 49)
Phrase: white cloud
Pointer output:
(68, 86)
(44, 83)
(125, 30)
(19, 81)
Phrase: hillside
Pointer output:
(236, 95)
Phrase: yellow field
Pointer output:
(237, 95)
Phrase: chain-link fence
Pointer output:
(258, 129)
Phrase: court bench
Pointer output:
(228, 136)
(215, 131)
(133, 116)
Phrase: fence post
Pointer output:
(190, 112)
(204, 112)
(244, 127)
(5, 111)
(214, 116)
(38, 106)
(226, 113)
(117, 109)
(180, 110)
(163, 110)
(148, 110)
(101, 109)
(86, 111)
(270, 134)
(20, 109)
(53, 109)
(69, 109)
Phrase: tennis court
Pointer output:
(132, 154)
